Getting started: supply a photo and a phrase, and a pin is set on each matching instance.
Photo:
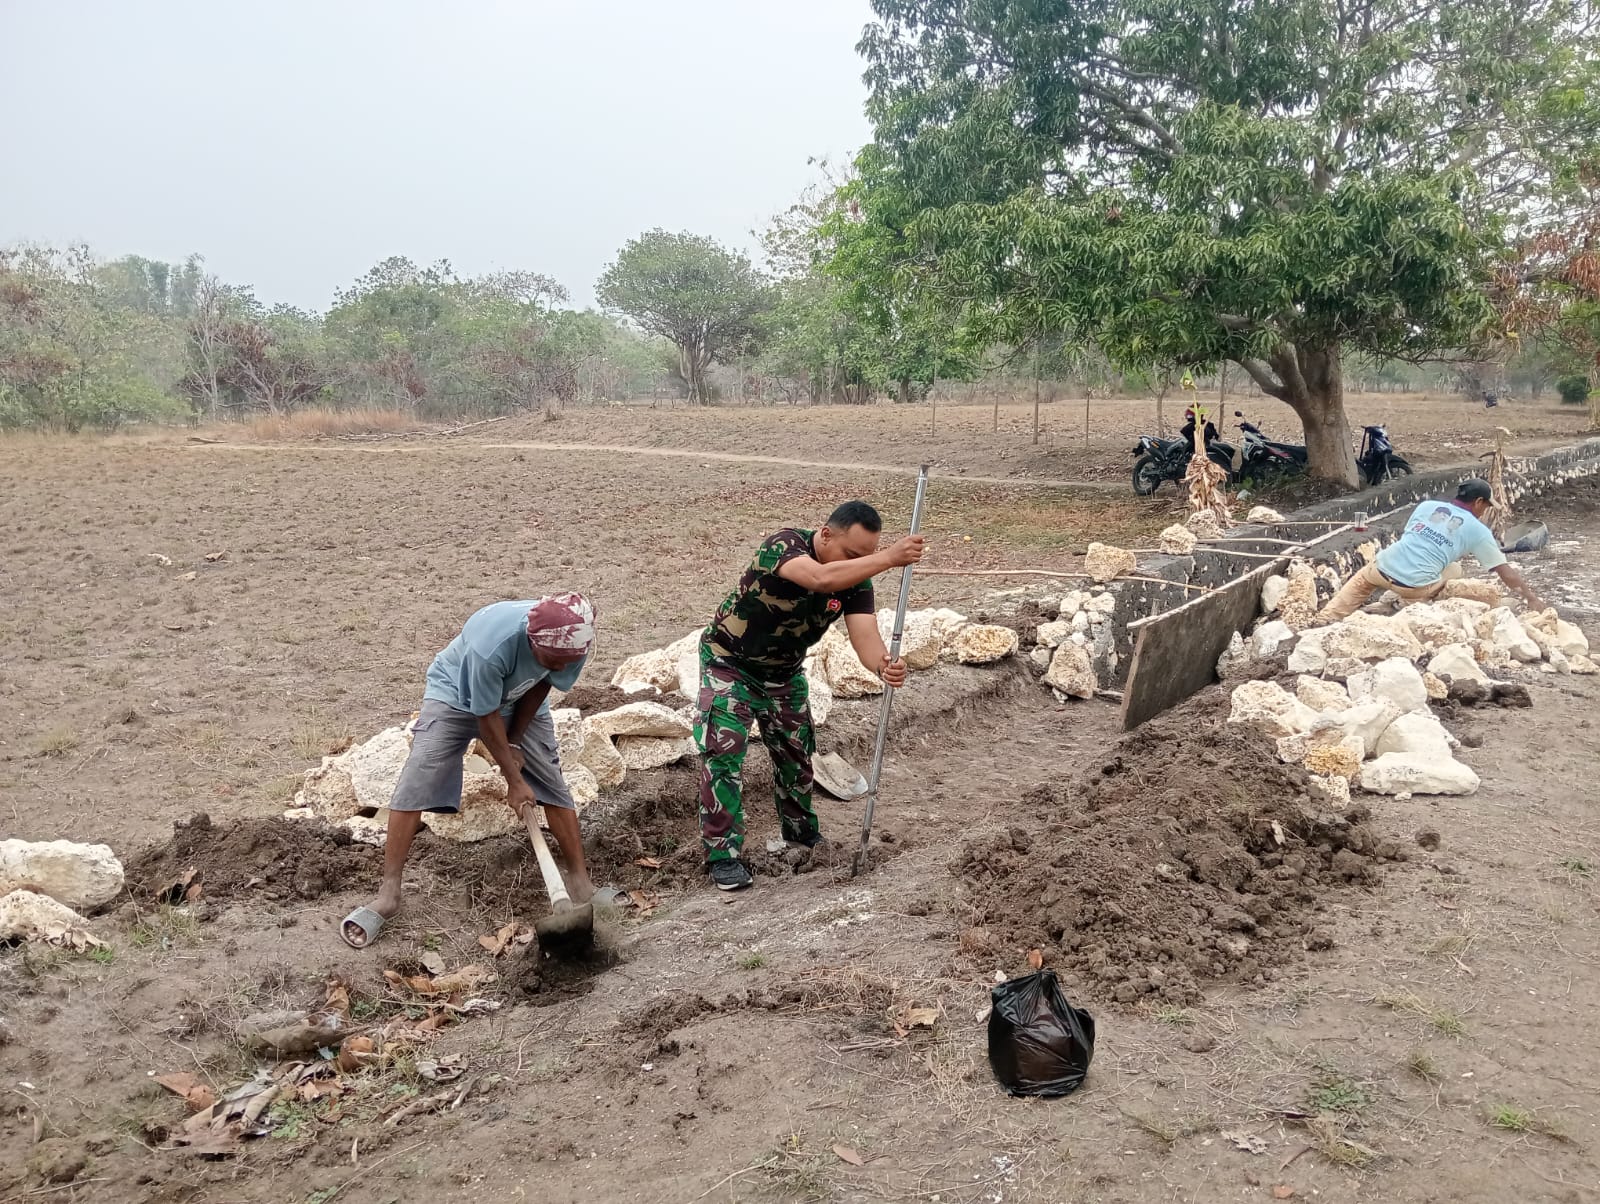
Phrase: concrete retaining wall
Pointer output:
(1216, 565)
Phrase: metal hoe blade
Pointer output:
(888, 691)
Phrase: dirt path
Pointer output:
(673, 453)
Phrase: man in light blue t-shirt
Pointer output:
(492, 684)
(1415, 567)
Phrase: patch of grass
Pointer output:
(1339, 1094)
(1511, 1118)
(102, 955)
(291, 1120)
(57, 742)
(1328, 1134)
(751, 961)
(328, 424)
(1174, 1129)
(1447, 1022)
(315, 736)
(1420, 1063)
(1575, 866)
(1171, 1013)
(166, 927)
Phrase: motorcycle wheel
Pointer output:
(1147, 476)
(1388, 471)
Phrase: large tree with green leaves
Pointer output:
(1271, 182)
(704, 299)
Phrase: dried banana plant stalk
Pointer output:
(1206, 482)
(1499, 512)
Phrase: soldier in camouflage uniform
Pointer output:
(751, 669)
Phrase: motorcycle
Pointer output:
(1262, 457)
(1378, 462)
(1168, 460)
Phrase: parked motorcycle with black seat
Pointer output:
(1264, 458)
(1378, 461)
(1168, 460)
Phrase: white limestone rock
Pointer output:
(1322, 695)
(1438, 691)
(846, 675)
(1106, 562)
(28, 916)
(1411, 773)
(82, 876)
(1263, 514)
(1071, 672)
(1298, 607)
(599, 756)
(1583, 665)
(568, 722)
(686, 655)
(1503, 630)
(1269, 637)
(983, 644)
(1476, 589)
(641, 719)
(1416, 734)
(653, 672)
(1178, 540)
(1269, 709)
(1435, 626)
(361, 778)
(1040, 656)
(819, 692)
(1370, 637)
(921, 640)
(1367, 719)
(650, 752)
(1330, 792)
(1205, 524)
(1308, 655)
(1395, 679)
(1328, 757)
(1050, 635)
(1273, 590)
(1456, 662)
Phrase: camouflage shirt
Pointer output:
(769, 623)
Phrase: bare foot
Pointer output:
(387, 905)
(580, 887)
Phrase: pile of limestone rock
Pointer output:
(47, 885)
(1359, 713)
(599, 750)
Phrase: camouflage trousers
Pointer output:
(730, 702)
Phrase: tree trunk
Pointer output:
(1311, 382)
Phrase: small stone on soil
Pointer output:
(1428, 838)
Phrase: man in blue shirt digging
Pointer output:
(491, 684)
(1415, 566)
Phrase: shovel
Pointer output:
(568, 931)
(888, 690)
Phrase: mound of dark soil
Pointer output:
(593, 699)
(277, 858)
(1192, 853)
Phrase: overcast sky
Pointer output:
(298, 142)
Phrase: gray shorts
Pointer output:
(431, 778)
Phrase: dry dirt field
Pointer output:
(1411, 1023)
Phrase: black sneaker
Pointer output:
(810, 841)
(730, 874)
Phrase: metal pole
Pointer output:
(888, 690)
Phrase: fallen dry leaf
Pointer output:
(163, 561)
(846, 1154)
(338, 1000)
(649, 863)
(433, 1023)
(1282, 1192)
(354, 1052)
(445, 1070)
(467, 978)
(195, 1093)
(213, 557)
(504, 937)
(314, 1089)
(432, 963)
(1036, 958)
(921, 1017)
(1248, 1142)
(189, 576)
(644, 901)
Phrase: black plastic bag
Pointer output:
(1039, 1044)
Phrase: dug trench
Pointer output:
(711, 1035)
